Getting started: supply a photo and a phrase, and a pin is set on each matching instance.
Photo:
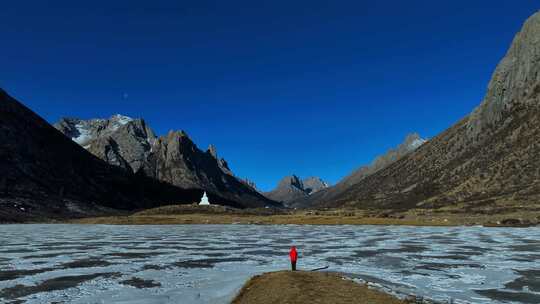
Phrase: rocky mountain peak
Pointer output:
(173, 158)
(119, 140)
(84, 131)
(291, 181)
(413, 141)
(120, 119)
(56, 178)
(250, 183)
(179, 134)
(292, 187)
(314, 184)
(515, 80)
(222, 163)
(213, 151)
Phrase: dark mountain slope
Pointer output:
(176, 159)
(44, 174)
(490, 158)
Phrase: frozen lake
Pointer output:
(208, 264)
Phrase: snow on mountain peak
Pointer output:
(417, 143)
(121, 119)
(83, 131)
(83, 135)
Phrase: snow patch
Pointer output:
(121, 119)
(417, 143)
(84, 134)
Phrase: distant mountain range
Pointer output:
(410, 144)
(174, 158)
(485, 163)
(489, 159)
(103, 166)
(291, 188)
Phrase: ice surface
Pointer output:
(209, 264)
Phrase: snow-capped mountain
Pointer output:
(119, 140)
(174, 158)
(83, 131)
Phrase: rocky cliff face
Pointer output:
(176, 159)
(291, 188)
(250, 184)
(119, 140)
(173, 158)
(487, 159)
(314, 184)
(515, 79)
(43, 174)
(222, 163)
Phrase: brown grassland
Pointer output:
(309, 287)
(192, 214)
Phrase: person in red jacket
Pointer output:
(293, 254)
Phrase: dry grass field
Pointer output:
(190, 214)
(309, 287)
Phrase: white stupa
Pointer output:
(204, 200)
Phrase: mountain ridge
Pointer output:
(411, 142)
(483, 161)
(174, 158)
(291, 188)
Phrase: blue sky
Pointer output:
(280, 87)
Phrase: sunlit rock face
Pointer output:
(515, 84)
(314, 184)
(291, 188)
(119, 140)
(174, 158)
(486, 160)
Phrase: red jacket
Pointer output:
(293, 254)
